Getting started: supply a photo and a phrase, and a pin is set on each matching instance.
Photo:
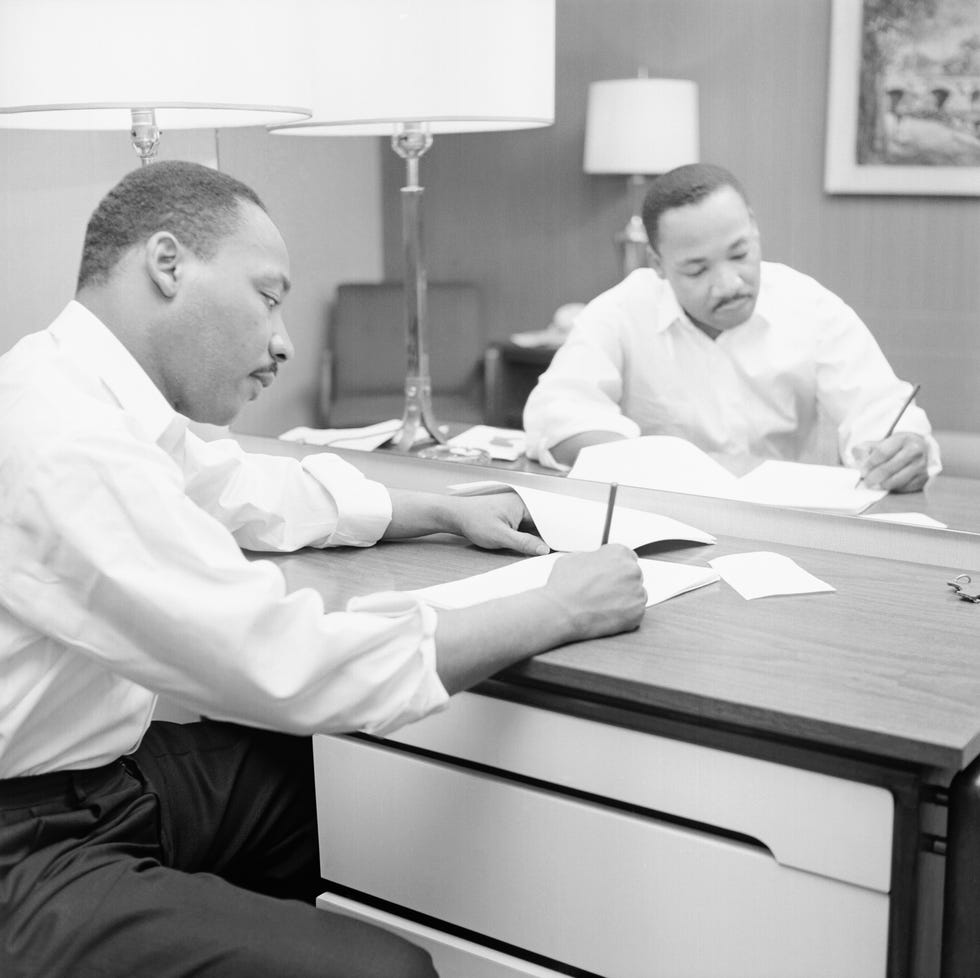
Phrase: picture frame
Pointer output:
(903, 103)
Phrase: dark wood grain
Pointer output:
(888, 665)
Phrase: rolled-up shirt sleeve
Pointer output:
(581, 389)
(278, 503)
(107, 555)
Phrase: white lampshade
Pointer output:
(84, 64)
(457, 65)
(641, 125)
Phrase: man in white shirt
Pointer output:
(136, 848)
(739, 356)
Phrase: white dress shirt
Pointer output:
(121, 575)
(635, 364)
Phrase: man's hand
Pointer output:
(601, 591)
(587, 595)
(898, 464)
(492, 522)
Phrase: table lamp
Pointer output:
(139, 65)
(410, 70)
(640, 127)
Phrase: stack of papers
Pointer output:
(661, 579)
(675, 465)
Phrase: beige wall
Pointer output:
(323, 193)
(515, 213)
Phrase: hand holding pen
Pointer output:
(897, 463)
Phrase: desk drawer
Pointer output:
(615, 893)
(452, 956)
(837, 828)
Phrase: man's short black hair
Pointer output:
(197, 204)
(681, 186)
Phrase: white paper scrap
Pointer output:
(761, 574)
(911, 519)
(662, 580)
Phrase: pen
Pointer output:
(898, 417)
(609, 511)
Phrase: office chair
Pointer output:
(363, 376)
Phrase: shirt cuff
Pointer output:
(429, 695)
(363, 506)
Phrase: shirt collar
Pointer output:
(91, 344)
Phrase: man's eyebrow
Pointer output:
(279, 280)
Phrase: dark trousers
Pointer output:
(197, 855)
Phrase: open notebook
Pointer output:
(676, 465)
(661, 579)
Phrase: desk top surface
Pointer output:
(887, 665)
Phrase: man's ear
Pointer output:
(163, 256)
(656, 263)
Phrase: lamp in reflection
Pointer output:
(639, 127)
(411, 70)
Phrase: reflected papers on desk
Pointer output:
(566, 523)
(763, 574)
(506, 444)
(365, 439)
(675, 465)
(661, 579)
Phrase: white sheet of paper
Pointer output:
(506, 444)
(661, 579)
(762, 573)
(565, 523)
(912, 519)
(654, 462)
(676, 465)
(804, 486)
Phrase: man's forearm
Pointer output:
(567, 451)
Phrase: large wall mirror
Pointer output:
(515, 213)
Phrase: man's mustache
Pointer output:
(730, 300)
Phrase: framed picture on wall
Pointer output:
(903, 107)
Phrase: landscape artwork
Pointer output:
(904, 97)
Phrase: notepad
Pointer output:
(567, 523)
(675, 465)
(661, 579)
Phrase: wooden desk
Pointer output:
(745, 747)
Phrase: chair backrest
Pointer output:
(366, 358)
(367, 337)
